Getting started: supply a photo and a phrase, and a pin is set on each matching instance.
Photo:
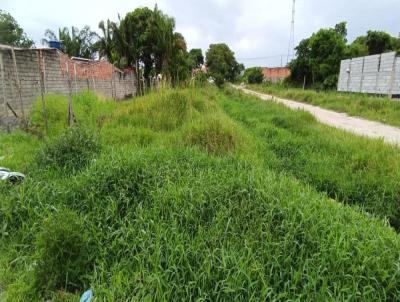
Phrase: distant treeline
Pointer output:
(145, 39)
(318, 57)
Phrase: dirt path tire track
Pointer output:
(335, 119)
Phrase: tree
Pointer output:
(11, 33)
(254, 75)
(106, 43)
(76, 43)
(318, 57)
(146, 39)
(221, 63)
(179, 67)
(380, 42)
(357, 48)
(196, 58)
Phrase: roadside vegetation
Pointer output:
(381, 109)
(196, 194)
(348, 168)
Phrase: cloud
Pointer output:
(253, 28)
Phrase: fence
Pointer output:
(26, 74)
(376, 74)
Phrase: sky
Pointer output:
(258, 31)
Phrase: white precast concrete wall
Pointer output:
(376, 74)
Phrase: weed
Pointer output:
(62, 253)
(374, 108)
(199, 195)
(71, 150)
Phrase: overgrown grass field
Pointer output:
(196, 195)
(381, 109)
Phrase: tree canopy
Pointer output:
(11, 33)
(196, 58)
(254, 75)
(221, 63)
(318, 57)
(146, 40)
(76, 43)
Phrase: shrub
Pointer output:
(213, 135)
(62, 253)
(254, 75)
(71, 150)
(200, 79)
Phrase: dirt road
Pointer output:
(355, 125)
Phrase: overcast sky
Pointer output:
(256, 30)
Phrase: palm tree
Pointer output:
(106, 43)
(77, 43)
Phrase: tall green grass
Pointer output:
(381, 109)
(177, 204)
(351, 169)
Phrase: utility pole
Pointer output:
(291, 37)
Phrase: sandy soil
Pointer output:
(355, 125)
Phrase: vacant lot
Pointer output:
(196, 194)
(379, 109)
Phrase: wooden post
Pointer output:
(3, 85)
(18, 82)
(44, 72)
(41, 80)
(12, 110)
(70, 112)
(76, 84)
(133, 83)
(112, 85)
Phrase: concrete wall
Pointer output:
(376, 74)
(22, 71)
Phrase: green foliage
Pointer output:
(194, 196)
(71, 150)
(11, 33)
(62, 253)
(221, 63)
(380, 109)
(379, 42)
(214, 135)
(318, 58)
(254, 75)
(196, 58)
(147, 37)
(106, 42)
(200, 78)
(76, 43)
(349, 169)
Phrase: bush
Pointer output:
(62, 253)
(254, 75)
(213, 136)
(71, 150)
(200, 79)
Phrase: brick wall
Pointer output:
(25, 66)
(276, 74)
